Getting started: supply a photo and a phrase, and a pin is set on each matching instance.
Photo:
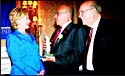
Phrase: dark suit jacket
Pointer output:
(68, 51)
(105, 51)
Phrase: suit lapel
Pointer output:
(22, 36)
(64, 34)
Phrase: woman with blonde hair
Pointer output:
(22, 47)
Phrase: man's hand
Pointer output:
(49, 58)
(44, 59)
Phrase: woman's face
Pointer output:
(23, 23)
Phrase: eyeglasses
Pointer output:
(58, 13)
(84, 11)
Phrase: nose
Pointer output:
(55, 15)
(79, 14)
(29, 20)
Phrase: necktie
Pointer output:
(89, 39)
(89, 64)
(87, 46)
(56, 36)
(86, 50)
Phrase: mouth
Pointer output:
(56, 21)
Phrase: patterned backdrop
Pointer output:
(46, 11)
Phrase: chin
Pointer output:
(83, 23)
(27, 27)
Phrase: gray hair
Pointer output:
(96, 5)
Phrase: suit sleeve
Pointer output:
(76, 52)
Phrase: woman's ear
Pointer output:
(18, 21)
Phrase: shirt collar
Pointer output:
(64, 25)
(95, 25)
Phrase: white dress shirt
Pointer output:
(90, 50)
(63, 27)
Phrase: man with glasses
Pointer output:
(67, 48)
(100, 55)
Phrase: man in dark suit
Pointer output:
(103, 52)
(69, 46)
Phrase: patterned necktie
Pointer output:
(86, 49)
(87, 46)
(56, 36)
(90, 36)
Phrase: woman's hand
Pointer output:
(42, 72)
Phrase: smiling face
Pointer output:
(23, 23)
(19, 18)
(88, 13)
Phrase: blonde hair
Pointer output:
(16, 14)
